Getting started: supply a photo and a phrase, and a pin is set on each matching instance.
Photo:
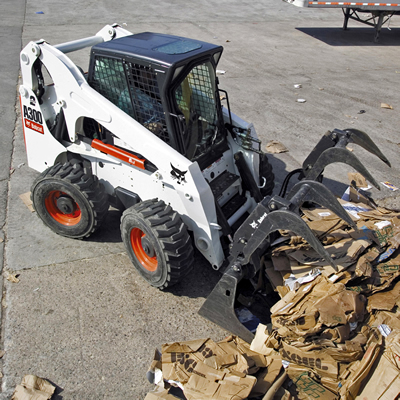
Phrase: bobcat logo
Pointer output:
(177, 174)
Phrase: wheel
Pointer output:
(157, 242)
(267, 174)
(69, 199)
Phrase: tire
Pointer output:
(69, 200)
(157, 242)
(267, 174)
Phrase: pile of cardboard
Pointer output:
(333, 334)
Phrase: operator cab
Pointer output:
(169, 85)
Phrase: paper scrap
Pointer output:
(354, 209)
(294, 283)
(382, 224)
(390, 186)
(324, 214)
(384, 330)
(385, 105)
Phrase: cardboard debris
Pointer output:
(26, 198)
(13, 278)
(357, 180)
(308, 388)
(386, 300)
(275, 147)
(355, 375)
(33, 388)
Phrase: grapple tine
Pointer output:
(363, 140)
(319, 194)
(338, 154)
(219, 306)
(287, 220)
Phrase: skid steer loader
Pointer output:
(144, 131)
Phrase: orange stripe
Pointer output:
(118, 153)
(23, 126)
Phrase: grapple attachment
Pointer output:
(252, 238)
(332, 148)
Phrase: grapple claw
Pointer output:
(338, 154)
(332, 148)
(278, 213)
(270, 215)
(364, 141)
(318, 193)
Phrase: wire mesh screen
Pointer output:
(201, 92)
(110, 81)
(146, 99)
(195, 98)
(134, 89)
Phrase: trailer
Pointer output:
(377, 13)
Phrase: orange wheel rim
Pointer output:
(142, 251)
(63, 208)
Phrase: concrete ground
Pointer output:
(80, 315)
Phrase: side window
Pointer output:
(110, 81)
(94, 130)
(146, 99)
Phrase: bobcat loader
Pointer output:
(144, 131)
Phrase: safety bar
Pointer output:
(79, 44)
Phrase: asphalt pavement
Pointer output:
(80, 316)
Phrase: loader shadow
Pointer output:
(199, 282)
(57, 392)
(354, 36)
(109, 232)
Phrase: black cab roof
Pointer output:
(157, 47)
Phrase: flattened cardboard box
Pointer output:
(316, 305)
(318, 360)
(308, 388)
(179, 359)
(210, 370)
(206, 383)
(384, 382)
(357, 372)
